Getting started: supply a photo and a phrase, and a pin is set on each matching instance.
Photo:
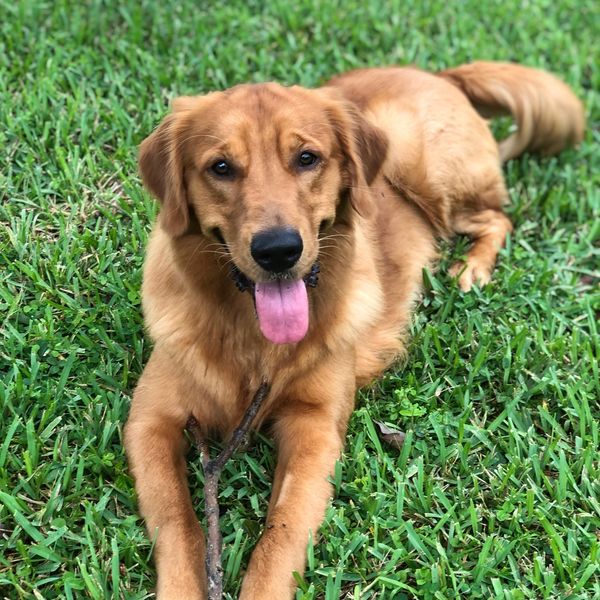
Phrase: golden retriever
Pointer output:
(261, 186)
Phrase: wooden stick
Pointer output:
(212, 472)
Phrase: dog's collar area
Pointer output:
(244, 284)
(312, 278)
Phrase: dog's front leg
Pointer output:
(309, 438)
(156, 451)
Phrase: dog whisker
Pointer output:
(218, 244)
(333, 237)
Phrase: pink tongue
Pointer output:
(282, 308)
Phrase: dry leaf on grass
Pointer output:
(392, 437)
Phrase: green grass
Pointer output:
(496, 491)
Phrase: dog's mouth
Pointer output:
(281, 304)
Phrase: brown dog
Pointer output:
(265, 182)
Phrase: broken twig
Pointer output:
(212, 472)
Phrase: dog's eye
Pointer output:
(307, 159)
(222, 169)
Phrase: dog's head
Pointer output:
(263, 169)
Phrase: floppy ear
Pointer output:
(364, 147)
(162, 172)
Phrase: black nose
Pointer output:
(276, 249)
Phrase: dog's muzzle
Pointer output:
(244, 284)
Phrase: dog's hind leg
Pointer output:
(488, 229)
(477, 211)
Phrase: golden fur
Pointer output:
(406, 158)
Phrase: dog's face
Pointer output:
(263, 169)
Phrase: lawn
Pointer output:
(496, 491)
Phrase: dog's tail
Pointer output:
(548, 114)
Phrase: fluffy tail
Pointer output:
(548, 115)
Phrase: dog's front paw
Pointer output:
(181, 583)
(179, 591)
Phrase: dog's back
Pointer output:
(442, 155)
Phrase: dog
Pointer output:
(293, 231)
